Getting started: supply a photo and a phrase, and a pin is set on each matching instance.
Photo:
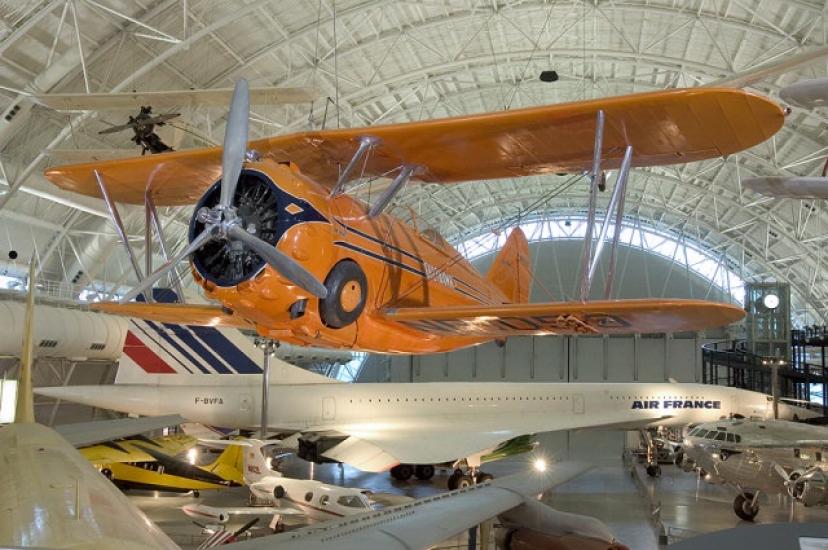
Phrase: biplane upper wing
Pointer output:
(664, 127)
(598, 317)
(182, 314)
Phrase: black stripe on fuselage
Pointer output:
(381, 242)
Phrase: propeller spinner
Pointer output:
(222, 223)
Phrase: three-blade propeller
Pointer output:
(221, 221)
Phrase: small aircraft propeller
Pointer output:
(221, 221)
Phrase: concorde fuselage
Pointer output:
(317, 406)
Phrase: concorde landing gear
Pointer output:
(746, 505)
(653, 469)
(404, 472)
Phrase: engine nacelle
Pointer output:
(810, 488)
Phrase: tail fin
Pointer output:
(155, 353)
(254, 464)
(229, 465)
(511, 270)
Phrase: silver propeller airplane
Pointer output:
(760, 456)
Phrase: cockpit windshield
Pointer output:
(353, 501)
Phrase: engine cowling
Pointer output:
(809, 487)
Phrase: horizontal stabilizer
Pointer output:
(663, 127)
(785, 187)
(598, 317)
(90, 433)
(807, 93)
(183, 314)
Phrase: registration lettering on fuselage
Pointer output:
(676, 404)
(209, 401)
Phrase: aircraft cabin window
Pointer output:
(323, 500)
(710, 435)
(720, 436)
(308, 496)
(738, 438)
(731, 438)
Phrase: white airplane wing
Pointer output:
(425, 522)
(376, 446)
(90, 433)
(221, 514)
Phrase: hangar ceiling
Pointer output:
(394, 61)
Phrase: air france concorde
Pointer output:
(375, 427)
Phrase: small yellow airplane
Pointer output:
(151, 464)
(276, 241)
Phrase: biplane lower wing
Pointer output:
(663, 127)
(599, 317)
(182, 314)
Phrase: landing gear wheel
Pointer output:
(482, 477)
(653, 470)
(459, 482)
(347, 290)
(107, 473)
(679, 457)
(743, 507)
(424, 472)
(196, 494)
(402, 472)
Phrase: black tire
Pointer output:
(483, 477)
(654, 470)
(196, 494)
(402, 472)
(742, 507)
(345, 279)
(107, 473)
(459, 481)
(424, 472)
(679, 458)
(464, 481)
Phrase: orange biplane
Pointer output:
(279, 245)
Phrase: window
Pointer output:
(738, 438)
(323, 500)
(731, 438)
(48, 343)
(97, 347)
(710, 435)
(720, 436)
(308, 496)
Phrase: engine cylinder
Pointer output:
(811, 488)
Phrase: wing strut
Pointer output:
(616, 205)
(593, 197)
(365, 143)
(398, 183)
(119, 227)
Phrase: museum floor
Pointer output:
(627, 501)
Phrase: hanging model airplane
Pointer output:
(276, 241)
(760, 456)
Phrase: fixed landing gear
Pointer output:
(424, 472)
(746, 505)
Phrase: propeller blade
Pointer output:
(203, 238)
(235, 142)
(282, 263)
(160, 119)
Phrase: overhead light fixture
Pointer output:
(771, 301)
(540, 465)
(549, 76)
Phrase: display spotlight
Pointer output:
(539, 465)
(548, 76)
(771, 301)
